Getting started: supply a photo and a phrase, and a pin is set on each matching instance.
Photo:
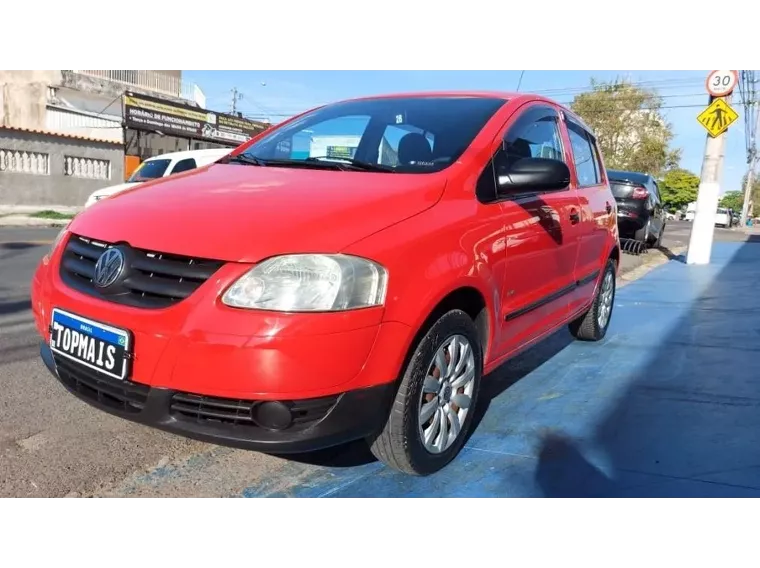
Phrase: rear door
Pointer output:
(597, 211)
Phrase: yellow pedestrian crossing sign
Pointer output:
(717, 117)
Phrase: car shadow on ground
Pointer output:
(15, 248)
(562, 468)
(686, 423)
(497, 382)
(18, 245)
(671, 255)
(12, 307)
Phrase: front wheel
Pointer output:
(592, 325)
(435, 403)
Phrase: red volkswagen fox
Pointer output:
(299, 294)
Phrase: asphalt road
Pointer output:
(54, 445)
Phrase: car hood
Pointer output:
(106, 191)
(247, 213)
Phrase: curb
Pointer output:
(650, 265)
(25, 221)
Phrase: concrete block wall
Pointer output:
(55, 187)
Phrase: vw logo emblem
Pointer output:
(109, 267)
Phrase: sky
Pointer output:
(277, 95)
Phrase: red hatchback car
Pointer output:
(352, 273)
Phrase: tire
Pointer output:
(642, 235)
(587, 326)
(400, 443)
(658, 242)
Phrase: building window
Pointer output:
(23, 162)
(87, 168)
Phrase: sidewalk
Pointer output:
(36, 215)
(667, 405)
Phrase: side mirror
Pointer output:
(534, 174)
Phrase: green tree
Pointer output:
(678, 187)
(733, 200)
(628, 122)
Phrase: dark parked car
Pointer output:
(641, 215)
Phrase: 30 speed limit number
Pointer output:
(722, 83)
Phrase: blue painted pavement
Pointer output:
(667, 405)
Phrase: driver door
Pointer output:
(542, 233)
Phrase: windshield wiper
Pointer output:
(314, 161)
(242, 159)
(353, 163)
(307, 163)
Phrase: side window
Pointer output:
(586, 167)
(183, 166)
(535, 134)
(536, 139)
(657, 196)
(597, 160)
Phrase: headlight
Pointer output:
(57, 241)
(310, 283)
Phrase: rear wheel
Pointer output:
(434, 406)
(644, 235)
(592, 325)
(658, 242)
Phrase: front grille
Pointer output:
(119, 395)
(237, 412)
(149, 280)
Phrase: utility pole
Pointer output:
(751, 158)
(236, 96)
(750, 181)
(715, 119)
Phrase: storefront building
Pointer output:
(154, 126)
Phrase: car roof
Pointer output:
(634, 177)
(506, 95)
(192, 154)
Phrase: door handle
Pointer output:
(574, 217)
(609, 208)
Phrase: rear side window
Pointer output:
(184, 165)
(583, 157)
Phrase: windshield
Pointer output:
(722, 211)
(149, 169)
(409, 135)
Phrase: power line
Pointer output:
(631, 109)
(556, 93)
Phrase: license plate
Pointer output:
(98, 346)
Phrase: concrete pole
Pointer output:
(750, 175)
(703, 227)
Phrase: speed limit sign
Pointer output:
(722, 83)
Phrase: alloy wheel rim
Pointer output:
(446, 396)
(605, 305)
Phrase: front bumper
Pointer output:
(201, 346)
(316, 423)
